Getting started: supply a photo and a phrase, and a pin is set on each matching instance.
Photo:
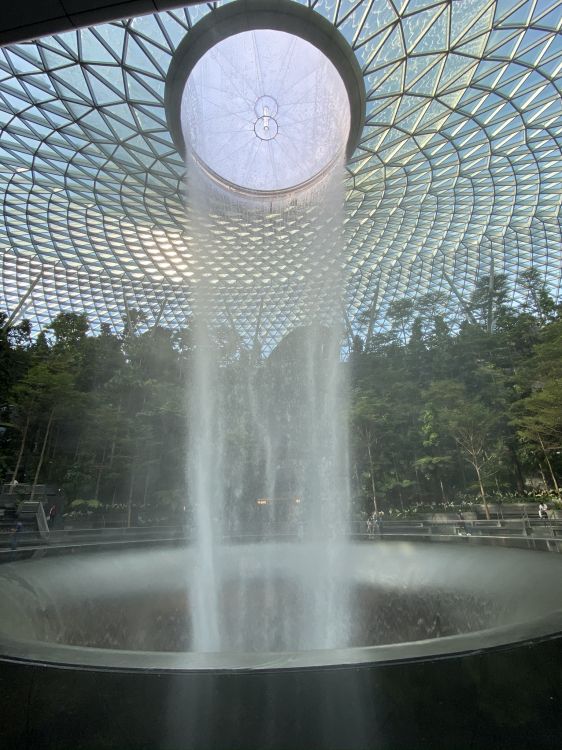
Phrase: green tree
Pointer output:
(488, 302)
(46, 394)
(537, 414)
(539, 303)
(468, 422)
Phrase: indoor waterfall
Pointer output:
(272, 434)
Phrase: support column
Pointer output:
(21, 303)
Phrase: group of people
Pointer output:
(375, 522)
(376, 519)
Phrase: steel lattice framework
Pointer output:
(457, 173)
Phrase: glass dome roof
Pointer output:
(265, 111)
(457, 172)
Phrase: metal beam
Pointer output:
(159, 316)
(22, 302)
(372, 313)
(128, 314)
(458, 295)
(348, 327)
(490, 321)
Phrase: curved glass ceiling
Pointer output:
(457, 172)
(265, 111)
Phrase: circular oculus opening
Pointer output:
(265, 111)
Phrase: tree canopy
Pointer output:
(435, 412)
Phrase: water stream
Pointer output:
(267, 451)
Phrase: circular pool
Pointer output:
(318, 645)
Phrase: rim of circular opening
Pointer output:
(536, 628)
(247, 192)
(515, 635)
(255, 15)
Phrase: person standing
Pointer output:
(14, 538)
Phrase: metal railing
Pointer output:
(28, 540)
(524, 530)
(527, 530)
(523, 525)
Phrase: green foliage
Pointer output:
(449, 413)
(438, 413)
(85, 505)
(98, 414)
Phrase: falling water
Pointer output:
(269, 428)
(205, 485)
